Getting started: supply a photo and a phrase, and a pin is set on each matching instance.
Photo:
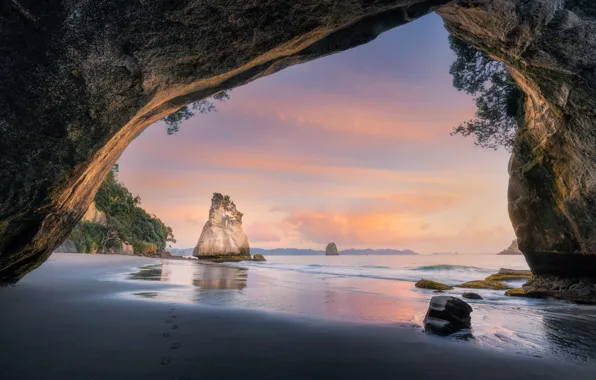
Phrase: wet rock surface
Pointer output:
(447, 315)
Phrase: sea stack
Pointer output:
(513, 249)
(331, 250)
(222, 238)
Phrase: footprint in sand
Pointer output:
(166, 360)
(166, 335)
(175, 327)
(175, 346)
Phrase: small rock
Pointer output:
(429, 284)
(447, 315)
(258, 257)
(520, 292)
(331, 250)
(483, 284)
(472, 296)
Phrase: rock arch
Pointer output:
(80, 80)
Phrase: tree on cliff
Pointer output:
(127, 222)
(498, 99)
(175, 119)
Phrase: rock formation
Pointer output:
(67, 247)
(258, 257)
(429, 284)
(331, 250)
(93, 215)
(447, 315)
(222, 234)
(98, 73)
(472, 296)
(513, 249)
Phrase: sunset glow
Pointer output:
(352, 148)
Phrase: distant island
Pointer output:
(513, 249)
(307, 252)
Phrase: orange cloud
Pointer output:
(263, 232)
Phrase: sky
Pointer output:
(352, 148)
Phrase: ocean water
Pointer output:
(380, 289)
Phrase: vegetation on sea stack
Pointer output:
(127, 222)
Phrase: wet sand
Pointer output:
(64, 322)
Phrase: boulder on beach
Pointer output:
(483, 284)
(447, 315)
(222, 236)
(472, 296)
(429, 284)
(331, 250)
(258, 257)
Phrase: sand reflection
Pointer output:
(190, 279)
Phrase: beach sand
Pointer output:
(63, 321)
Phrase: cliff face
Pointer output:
(222, 235)
(549, 47)
(93, 215)
(100, 72)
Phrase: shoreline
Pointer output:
(67, 317)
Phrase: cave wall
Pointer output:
(79, 80)
(549, 47)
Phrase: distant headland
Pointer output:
(308, 252)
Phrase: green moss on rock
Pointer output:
(507, 277)
(429, 284)
(483, 284)
(520, 292)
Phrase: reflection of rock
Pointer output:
(513, 249)
(222, 235)
(258, 257)
(447, 315)
(571, 328)
(93, 215)
(331, 250)
(67, 247)
(219, 277)
(192, 273)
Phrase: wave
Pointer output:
(449, 274)
(444, 267)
